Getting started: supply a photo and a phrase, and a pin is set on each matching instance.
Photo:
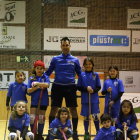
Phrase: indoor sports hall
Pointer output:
(107, 31)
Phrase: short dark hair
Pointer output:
(105, 117)
(63, 109)
(113, 67)
(65, 39)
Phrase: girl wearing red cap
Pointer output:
(36, 82)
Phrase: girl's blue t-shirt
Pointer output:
(19, 123)
(131, 126)
(117, 86)
(36, 94)
(56, 123)
(87, 79)
(17, 92)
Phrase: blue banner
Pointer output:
(109, 40)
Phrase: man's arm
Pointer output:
(51, 67)
(78, 68)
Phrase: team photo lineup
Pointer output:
(118, 122)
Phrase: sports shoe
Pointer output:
(47, 138)
(86, 136)
(75, 136)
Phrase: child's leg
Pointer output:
(32, 117)
(96, 121)
(12, 136)
(41, 121)
(69, 133)
(119, 134)
(86, 124)
(95, 114)
(29, 136)
(114, 114)
(55, 133)
(134, 135)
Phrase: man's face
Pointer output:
(65, 46)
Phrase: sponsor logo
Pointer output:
(109, 40)
(134, 17)
(128, 122)
(23, 122)
(115, 83)
(129, 80)
(72, 39)
(10, 11)
(77, 16)
(70, 63)
(136, 41)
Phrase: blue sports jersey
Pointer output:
(106, 133)
(36, 94)
(131, 126)
(19, 123)
(117, 86)
(86, 79)
(65, 68)
(17, 92)
(56, 123)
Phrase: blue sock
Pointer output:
(96, 123)
(134, 137)
(32, 126)
(40, 127)
(86, 124)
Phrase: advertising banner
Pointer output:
(131, 81)
(8, 77)
(2, 10)
(133, 18)
(13, 37)
(14, 11)
(77, 37)
(77, 17)
(135, 41)
(109, 40)
(134, 98)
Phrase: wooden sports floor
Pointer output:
(80, 129)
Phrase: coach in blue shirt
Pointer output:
(65, 66)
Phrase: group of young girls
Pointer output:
(120, 114)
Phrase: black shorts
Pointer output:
(68, 92)
(42, 107)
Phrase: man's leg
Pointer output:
(71, 102)
(56, 101)
(73, 112)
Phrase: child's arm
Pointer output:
(41, 84)
(7, 103)
(30, 90)
(133, 125)
(25, 130)
(104, 91)
(98, 84)
(9, 94)
(119, 124)
(99, 136)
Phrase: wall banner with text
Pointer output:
(77, 37)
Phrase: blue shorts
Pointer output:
(114, 111)
(85, 109)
